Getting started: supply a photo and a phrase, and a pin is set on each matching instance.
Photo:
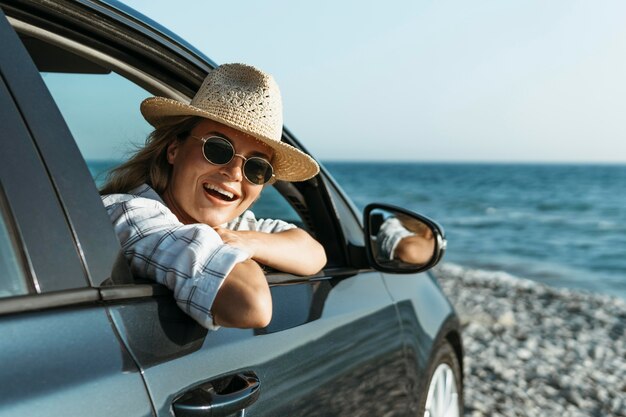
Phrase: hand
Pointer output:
(240, 239)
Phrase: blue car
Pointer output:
(82, 336)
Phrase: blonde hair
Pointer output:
(149, 164)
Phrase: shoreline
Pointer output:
(535, 350)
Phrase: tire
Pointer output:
(443, 392)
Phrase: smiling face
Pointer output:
(200, 192)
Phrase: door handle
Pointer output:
(220, 397)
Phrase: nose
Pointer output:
(234, 169)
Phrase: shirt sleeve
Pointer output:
(248, 221)
(389, 235)
(191, 260)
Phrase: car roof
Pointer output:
(148, 24)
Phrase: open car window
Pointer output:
(102, 112)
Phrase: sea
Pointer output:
(562, 225)
(559, 224)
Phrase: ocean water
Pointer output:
(562, 225)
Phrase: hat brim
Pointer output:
(290, 164)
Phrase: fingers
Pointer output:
(225, 234)
(236, 239)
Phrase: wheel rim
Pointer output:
(442, 399)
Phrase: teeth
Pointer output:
(219, 190)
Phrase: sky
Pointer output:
(492, 80)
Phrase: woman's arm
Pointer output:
(244, 299)
(207, 276)
(293, 251)
(415, 249)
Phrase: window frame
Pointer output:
(75, 190)
(41, 228)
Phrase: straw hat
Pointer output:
(246, 99)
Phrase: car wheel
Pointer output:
(444, 397)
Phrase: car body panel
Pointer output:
(426, 317)
(425, 297)
(67, 362)
(314, 348)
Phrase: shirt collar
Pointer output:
(145, 191)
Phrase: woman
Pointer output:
(180, 204)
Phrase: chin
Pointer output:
(213, 221)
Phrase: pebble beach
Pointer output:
(535, 350)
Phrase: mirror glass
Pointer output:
(400, 240)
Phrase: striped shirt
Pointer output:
(191, 260)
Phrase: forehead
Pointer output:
(243, 142)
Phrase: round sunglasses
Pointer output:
(219, 151)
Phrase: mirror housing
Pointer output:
(401, 241)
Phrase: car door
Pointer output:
(61, 356)
(333, 346)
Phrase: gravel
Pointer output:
(534, 350)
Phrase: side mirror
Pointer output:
(400, 241)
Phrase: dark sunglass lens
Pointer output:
(218, 151)
(257, 170)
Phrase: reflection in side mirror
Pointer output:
(401, 241)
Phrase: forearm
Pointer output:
(293, 251)
(415, 250)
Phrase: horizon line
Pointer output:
(422, 161)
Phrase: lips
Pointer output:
(219, 192)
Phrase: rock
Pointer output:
(507, 319)
(532, 350)
(524, 354)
